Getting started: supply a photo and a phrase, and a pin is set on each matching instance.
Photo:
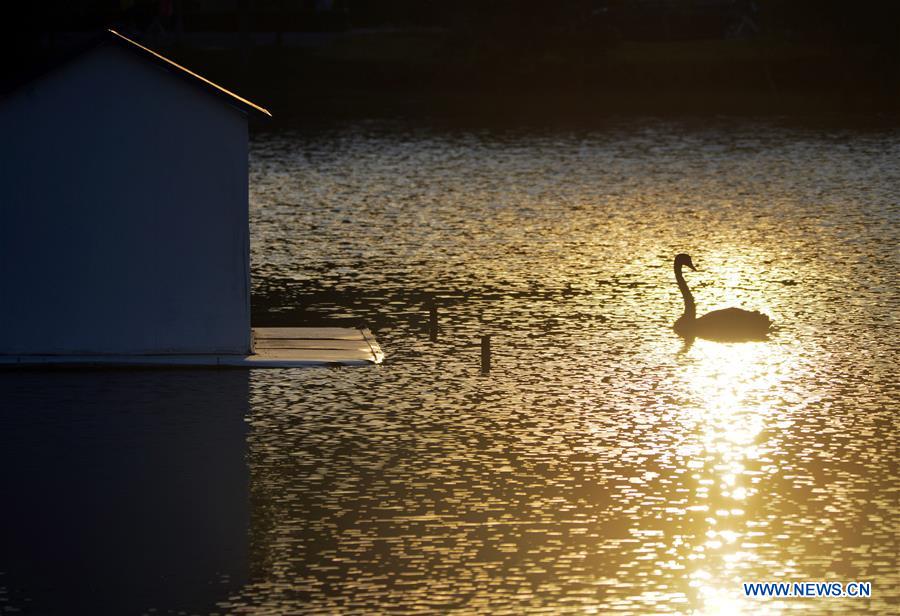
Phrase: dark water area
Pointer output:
(602, 466)
(123, 491)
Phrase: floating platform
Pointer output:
(274, 347)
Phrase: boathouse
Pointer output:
(124, 209)
(124, 222)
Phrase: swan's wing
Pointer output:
(733, 319)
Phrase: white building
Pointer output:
(124, 210)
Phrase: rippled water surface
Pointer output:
(602, 465)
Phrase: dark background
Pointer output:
(519, 58)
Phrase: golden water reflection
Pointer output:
(733, 388)
(705, 546)
(600, 466)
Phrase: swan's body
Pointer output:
(728, 324)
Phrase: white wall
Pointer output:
(123, 213)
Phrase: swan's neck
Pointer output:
(690, 309)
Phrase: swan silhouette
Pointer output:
(730, 324)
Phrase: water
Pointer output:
(602, 466)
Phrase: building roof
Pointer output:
(111, 37)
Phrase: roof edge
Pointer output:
(130, 43)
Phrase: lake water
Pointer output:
(601, 466)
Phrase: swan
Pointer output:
(732, 324)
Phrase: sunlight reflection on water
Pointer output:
(601, 466)
(733, 386)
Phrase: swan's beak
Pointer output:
(691, 265)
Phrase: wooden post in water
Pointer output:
(485, 354)
(432, 321)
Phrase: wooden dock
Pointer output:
(312, 346)
(273, 347)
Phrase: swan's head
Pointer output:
(684, 259)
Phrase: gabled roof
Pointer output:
(184, 72)
(111, 37)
